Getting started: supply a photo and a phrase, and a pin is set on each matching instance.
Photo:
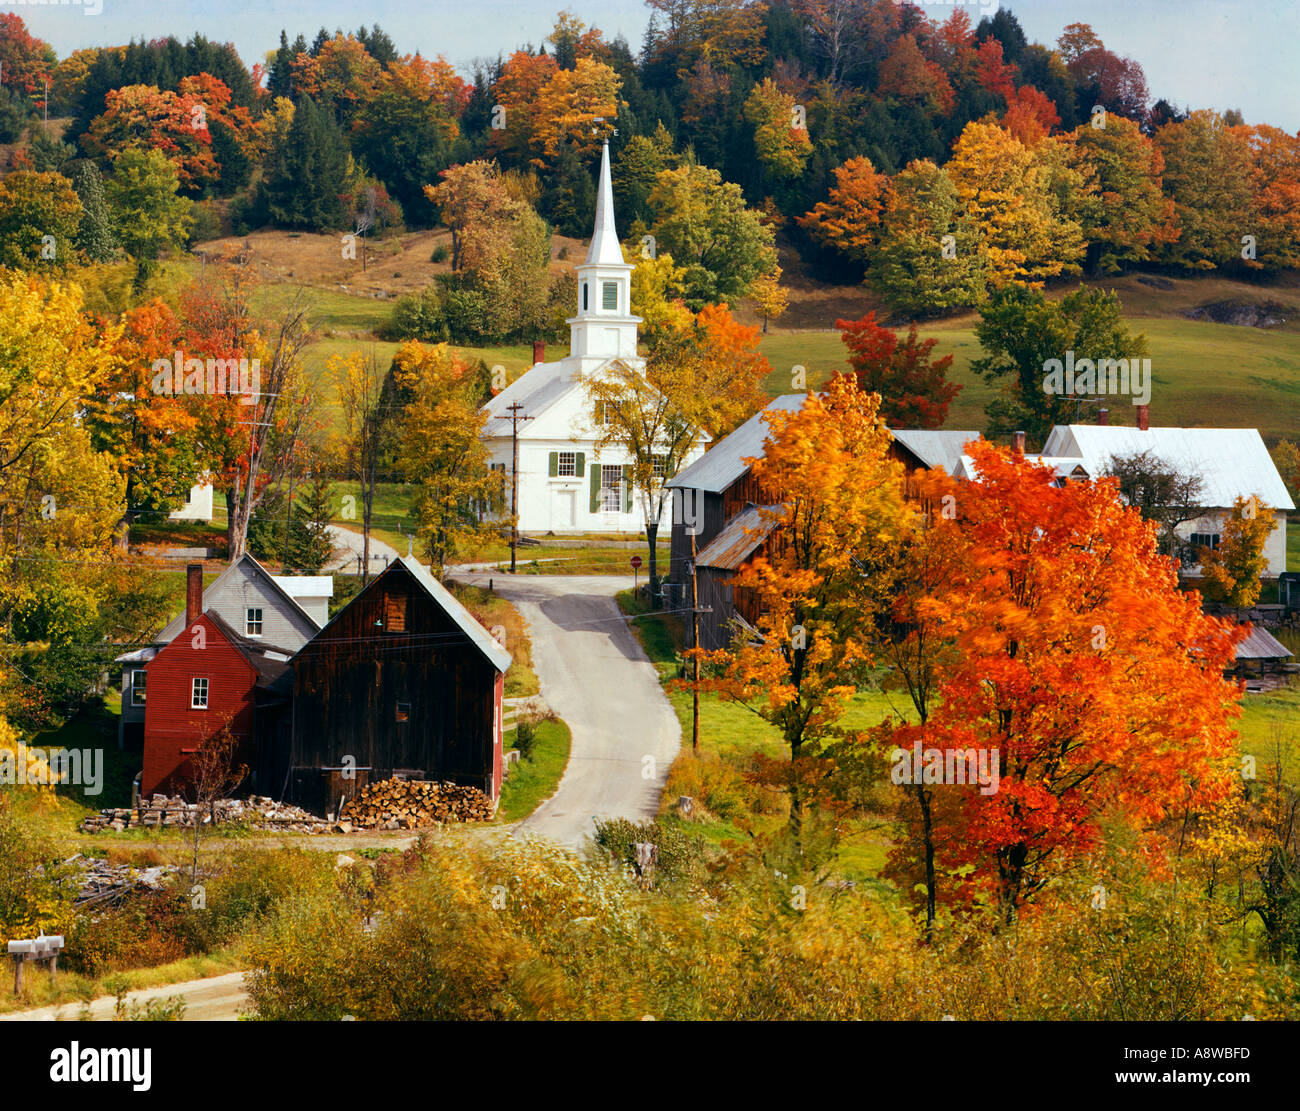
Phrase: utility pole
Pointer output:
(514, 411)
(695, 643)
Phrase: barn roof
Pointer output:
(940, 448)
(1230, 462)
(482, 640)
(1261, 645)
(740, 537)
(723, 463)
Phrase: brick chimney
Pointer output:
(193, 592)
(539, 351)
(1103, 417)
(1018, 443)
(1144, 417)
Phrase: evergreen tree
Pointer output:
(305, 181)
(570, 198)
(279, 78)
(378, 44)
(96, 239)
(14, 112)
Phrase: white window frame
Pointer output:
(606, 490)
(199, 692)
(1197, 540)
(572, 457)
(250, 621)
(138, 690)
(659, 466)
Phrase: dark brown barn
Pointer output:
(403, 681)
(746, 535)
(713, 489)
(719, 497)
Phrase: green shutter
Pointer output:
(595, 488)
(580, 464)
(553, 464)
(627, 487)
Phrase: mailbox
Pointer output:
(22, 946)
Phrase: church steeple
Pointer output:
(604, 247)
(604, 326)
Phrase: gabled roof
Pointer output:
(938, 447)
(446, 601)
(723, 463)
(740, 537)
(1230, 462)
(536, 390)
(465, 620)
(273, 584)
(267, 661)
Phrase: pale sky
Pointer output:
(1203, 53)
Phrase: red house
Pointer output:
(207, 679)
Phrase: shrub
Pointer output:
(207, 223)
(679, 854)
(440, 253)
(526, 737)
(419, 316)
(143, 932)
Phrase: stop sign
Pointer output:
(636, 563)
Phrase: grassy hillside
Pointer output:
(1204, 374)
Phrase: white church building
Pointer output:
(566, 482)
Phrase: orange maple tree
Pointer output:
(1079, 662)
(848, 219)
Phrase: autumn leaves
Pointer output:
(985, 616)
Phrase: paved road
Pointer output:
(213, 999)
(595, 676)
(349, 546)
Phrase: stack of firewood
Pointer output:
(413, 804)
(168, 812)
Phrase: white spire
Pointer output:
(604, 248)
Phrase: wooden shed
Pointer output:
(709, 493)
(746, 535)
(403, 681)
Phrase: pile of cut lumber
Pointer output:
(413, 804)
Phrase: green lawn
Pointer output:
(1209, 375)
(531, 782)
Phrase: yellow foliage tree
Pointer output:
(1019, 200)
(839, 511)
(780, 136)
(1232, 570)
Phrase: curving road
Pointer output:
(595, 676)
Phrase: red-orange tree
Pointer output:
(1077, 658)
(913, 384)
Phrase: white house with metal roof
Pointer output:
(1230, 462)
(566, 481)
